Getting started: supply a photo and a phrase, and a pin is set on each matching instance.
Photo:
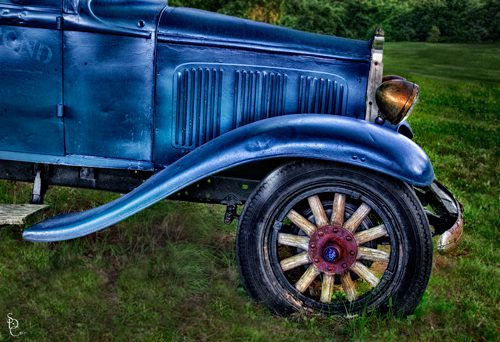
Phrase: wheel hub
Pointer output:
(332, 249)
(330, 253)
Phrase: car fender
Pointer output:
(315, 136)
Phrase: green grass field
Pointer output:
(169, 272)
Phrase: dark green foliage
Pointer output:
(410, 20)
(447, 21)
(329, 21)
(209, 5)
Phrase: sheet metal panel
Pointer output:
(29, 4)
(30, 90)
(213, 29)
(31, 13)
(253, 86)
(108, 88)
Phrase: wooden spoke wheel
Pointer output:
(333, 250)
(334, 239)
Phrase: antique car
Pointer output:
(301, 130)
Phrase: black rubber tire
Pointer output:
(403, 287)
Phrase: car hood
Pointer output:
(184, 25)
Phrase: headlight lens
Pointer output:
(396, 98)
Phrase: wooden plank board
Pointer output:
(16, 214)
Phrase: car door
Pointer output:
(109, 79)
(31, 77)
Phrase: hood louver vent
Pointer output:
(258, 95)
(198, 106)
(210, 100)
(320, 95)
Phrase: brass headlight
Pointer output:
(396, 98)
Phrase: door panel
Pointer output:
(108, 95)
(31, 89)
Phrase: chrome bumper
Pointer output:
(444, 213)
(450, 238)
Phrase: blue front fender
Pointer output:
(324, 137)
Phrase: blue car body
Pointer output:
(89, 87)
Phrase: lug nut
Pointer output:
(335, 230)
(316, 260)
(330, 269)
(348, 238)
(344, 265)
(352, 252)
(313, 245)
(321, 233)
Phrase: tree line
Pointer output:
(402, 20)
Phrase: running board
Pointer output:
(17, 214)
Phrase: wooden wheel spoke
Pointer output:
(370, 234)
(338, 210)
(327, 288)
(362, 271)
(372, 254)
(355, 220)
(293, 241)
(318, 211)
(301, 222)
(349, 287)
(295, 261)
(307, 278)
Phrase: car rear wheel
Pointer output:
(334, 239)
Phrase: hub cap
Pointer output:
(330, 254)
(332, 249)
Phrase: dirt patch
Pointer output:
(443, 264)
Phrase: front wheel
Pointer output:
(334, 239)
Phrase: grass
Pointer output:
(169, 272)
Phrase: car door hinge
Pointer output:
(59, 22)
(60, 110)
